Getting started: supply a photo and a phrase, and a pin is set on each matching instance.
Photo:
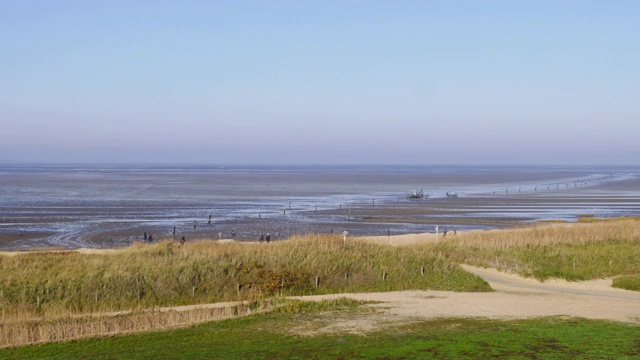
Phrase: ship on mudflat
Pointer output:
(415, 194)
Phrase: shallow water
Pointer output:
(110, 206)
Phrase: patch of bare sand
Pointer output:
(401, 240)
(58, 249)
(32, 249)
(96, 251)
(90, 251)
(411, 239)
(222, 241)
(514, 298)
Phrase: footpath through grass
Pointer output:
(272, 336)
(575, 252)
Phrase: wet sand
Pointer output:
(120, 223)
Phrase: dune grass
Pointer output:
(64, 328)
(629, 282)
(50, 286)
(270, 336)
(47, 296)
(594, 249)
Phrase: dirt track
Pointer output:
(503, 282)
(514, 298)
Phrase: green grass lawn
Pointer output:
(269, 336)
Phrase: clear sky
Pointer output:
(382, 82)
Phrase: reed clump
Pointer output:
(597, 248)
(54, 329)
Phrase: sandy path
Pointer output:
(514, 298)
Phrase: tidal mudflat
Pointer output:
(112, 206)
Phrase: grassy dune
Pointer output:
(52, 286)
(168, 273)
(48, 296)
(582, 251)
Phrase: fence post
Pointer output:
(317, 282)
(384, 275)
(422, 270)
(346, 277)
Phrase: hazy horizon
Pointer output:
(286, 82)
(412, 167)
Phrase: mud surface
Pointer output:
(108, 207)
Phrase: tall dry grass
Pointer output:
(51, 285)
(580, 251)
(584, 232)
(33, 331)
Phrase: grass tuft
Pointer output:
(628, 282)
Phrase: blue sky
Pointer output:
(363, 82)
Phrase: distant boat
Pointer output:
(415, 194)
(452, 195)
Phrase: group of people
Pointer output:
(148, 237)
(444, 234)
(266, 238)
